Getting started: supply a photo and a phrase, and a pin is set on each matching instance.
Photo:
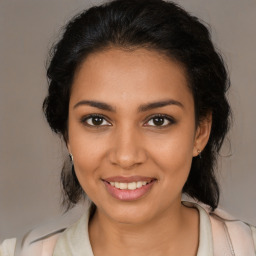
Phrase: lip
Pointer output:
(127, 194)
(128, 179)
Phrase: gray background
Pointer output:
(31, 156)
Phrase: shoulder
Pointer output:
(38, 245)
(41, 240)
(7, 247)
(230, 235)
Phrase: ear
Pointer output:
(202, 134)
(68, 147)
(66, 140)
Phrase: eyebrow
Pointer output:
(141, 108)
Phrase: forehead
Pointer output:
(118, 76)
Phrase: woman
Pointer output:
(137, 91)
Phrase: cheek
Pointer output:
(88, 152)
(87, 168)
(173, 155)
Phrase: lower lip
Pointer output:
(127, 194)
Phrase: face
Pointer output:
(132, 133)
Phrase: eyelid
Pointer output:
(170, 119)
(85, 118)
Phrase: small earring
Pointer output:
(71, 157)
(199, 153)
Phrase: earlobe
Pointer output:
(70, 153)
(202, 135)
(69, 149)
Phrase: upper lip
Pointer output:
(128, 179)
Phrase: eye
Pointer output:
(95, 120)
(160, 121)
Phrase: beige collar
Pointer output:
(205, 230)
(75, 240)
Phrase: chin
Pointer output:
(129, 213)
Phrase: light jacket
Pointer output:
(220, 234)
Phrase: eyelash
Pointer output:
(166, 117)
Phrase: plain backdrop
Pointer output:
(31, 155)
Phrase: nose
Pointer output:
(127, 149)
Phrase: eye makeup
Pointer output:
(97, 121)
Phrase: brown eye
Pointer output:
(95, 120)
(160, 121)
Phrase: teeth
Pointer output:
(130, 186)
(139, 184)
(123, 185)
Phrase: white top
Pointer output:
(220, 234)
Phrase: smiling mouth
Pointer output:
(129, 191)
(130, 185)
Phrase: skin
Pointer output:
(129, 143)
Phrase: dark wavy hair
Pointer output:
(156, 25)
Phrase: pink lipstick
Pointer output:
(128, 188)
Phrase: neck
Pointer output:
(154, 237)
